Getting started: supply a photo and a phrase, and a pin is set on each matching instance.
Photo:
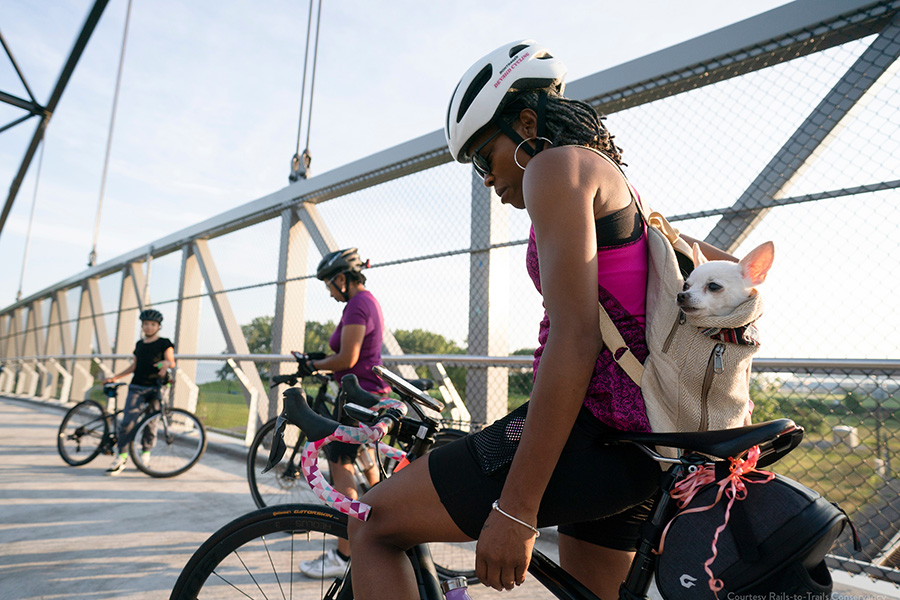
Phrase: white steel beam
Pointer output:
(84, 333)
(487, 388)
(187, 325)
(234, 337)
(876, 64)
(289, 323)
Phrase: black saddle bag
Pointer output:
(775, 541)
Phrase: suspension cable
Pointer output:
(37, 180)
(92, 257)
(300, 161)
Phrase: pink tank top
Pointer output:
(612, 397)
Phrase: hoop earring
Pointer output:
(516, 153)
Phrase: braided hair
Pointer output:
(568, 122)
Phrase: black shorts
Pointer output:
(341, 452)
(598, 493)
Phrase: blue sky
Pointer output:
(208, 109)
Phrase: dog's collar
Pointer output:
(746, 335)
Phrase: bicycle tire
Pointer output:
(285, 483)
(82, 433)
(256, 556)
(452, 559)
(181, 441)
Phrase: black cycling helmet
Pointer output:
(151, 314)
(338, 262)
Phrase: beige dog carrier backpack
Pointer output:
(697, 376)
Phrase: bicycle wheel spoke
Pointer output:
(272, 564)
(259, 587)
(238, 590)
(257, 556)
(168, 443)
(82, 433)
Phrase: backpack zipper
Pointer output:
(679, 321)
(714, 366)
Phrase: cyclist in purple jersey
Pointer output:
(357, 348)
(362, 310)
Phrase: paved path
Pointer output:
(75, 534)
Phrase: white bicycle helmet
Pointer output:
(480, 94)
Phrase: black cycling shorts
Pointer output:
(341, 452)
(598, 493)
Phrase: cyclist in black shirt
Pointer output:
(153, 356)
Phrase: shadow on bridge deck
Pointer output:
(74, 533)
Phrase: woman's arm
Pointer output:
(168, 361)
(559, 190)
(129, 369)
(352, 337)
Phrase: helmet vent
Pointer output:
(516, 49)
(478, 82)
(543, 56)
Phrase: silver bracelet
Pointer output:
(496, 506)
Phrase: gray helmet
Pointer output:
(338, 262)
(151, 315)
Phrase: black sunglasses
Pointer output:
(482, 165)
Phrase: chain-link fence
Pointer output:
(794, 138)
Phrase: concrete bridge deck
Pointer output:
(76, 534)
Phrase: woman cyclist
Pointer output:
(356, 343)
(551, 156)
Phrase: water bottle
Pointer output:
(455, 589)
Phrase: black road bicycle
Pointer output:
(255, 556)
(88, 430)
(284, 483)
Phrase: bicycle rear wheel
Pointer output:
(285, 483)
(82, 432)
(180, 442)
(256, 556)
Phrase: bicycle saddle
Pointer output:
(422, 384)
(357, 395)
(775, 439)
(110, 388)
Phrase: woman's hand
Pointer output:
(503, 552)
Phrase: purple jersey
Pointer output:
(363, 309)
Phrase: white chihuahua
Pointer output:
(716, 287)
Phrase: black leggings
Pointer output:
(599, 493)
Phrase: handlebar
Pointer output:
(321, 430)
(293, 378)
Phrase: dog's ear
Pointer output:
(697, 254)
(755, 266)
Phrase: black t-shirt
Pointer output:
(146, 357)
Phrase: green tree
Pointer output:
(521, 383)
(419, 341)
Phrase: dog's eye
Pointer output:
(714, 287)
(685, 287)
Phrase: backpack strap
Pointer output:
(612, 338)
(622, 354)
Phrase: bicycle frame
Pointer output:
(772, 439)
